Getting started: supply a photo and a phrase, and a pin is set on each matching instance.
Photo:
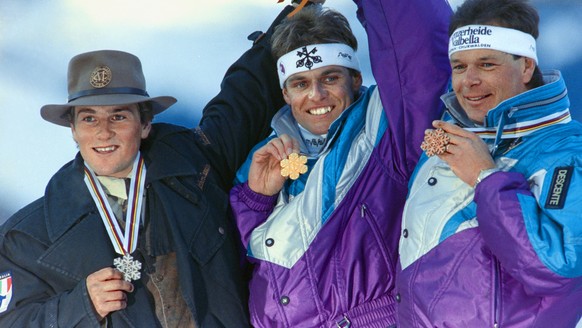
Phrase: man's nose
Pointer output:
(317, 91)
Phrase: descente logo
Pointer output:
(469, 35)
(559, 188)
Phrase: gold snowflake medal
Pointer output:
(435, 142)
(293, 166)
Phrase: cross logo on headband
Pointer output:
(308, 60)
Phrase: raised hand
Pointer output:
(265, 171)
(466, 153)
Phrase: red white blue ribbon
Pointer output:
(123, 243)
(524, 128)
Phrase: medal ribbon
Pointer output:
(123, 244)
(521, 129)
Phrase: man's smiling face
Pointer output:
(317, 97)
(483, 78)
(109, 137)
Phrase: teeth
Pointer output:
(476, 98)
(104, 149)
(320, 111)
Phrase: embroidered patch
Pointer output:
(100, 77)
(559, 187)
(5, 290)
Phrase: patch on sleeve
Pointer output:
(5, 290)
(559, 187)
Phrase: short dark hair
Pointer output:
(312, 25)
(515, 14)
(145, 112)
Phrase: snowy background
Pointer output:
(185, 49)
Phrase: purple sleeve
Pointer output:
(250, 209)
(505, 208)
(408, 43)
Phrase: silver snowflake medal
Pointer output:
(129, 267)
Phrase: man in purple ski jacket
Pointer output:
(324, 246)
(492, 227)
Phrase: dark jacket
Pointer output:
(53, 244)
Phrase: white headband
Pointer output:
(493, 37)
(316, 56)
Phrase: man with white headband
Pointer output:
(492, 227)
(324, 242)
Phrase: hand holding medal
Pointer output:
(273, 163)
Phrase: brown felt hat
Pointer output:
(104, 78)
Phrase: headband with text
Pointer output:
(315, 56)
(508, 40)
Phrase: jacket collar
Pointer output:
(66, 198)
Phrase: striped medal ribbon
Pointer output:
(520, 129)
(124, 244)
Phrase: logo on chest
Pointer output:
(559, 187)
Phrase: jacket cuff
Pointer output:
(76, 308)
(255, 201)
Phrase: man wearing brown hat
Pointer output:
(134, 232)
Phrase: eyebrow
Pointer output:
(329, 71)
(92, 111)
(482, 58)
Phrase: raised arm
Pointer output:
(408, 51)
(240, 115)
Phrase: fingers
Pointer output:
(466, 153)
(282, 147)
(107, 291)
(265, 170)
(453, 129)
(459, 138)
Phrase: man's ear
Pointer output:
(357, 82)
(528, 69)
(286, 96)
(145, 130)
(73, 132)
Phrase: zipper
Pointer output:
(497, 293)
(367, 215)
(363, 210)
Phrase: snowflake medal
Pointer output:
(435, 142)
(293, 166)
(128, 266)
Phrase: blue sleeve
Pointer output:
(31, 300)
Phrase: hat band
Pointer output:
(498, 38)
(108, 91)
